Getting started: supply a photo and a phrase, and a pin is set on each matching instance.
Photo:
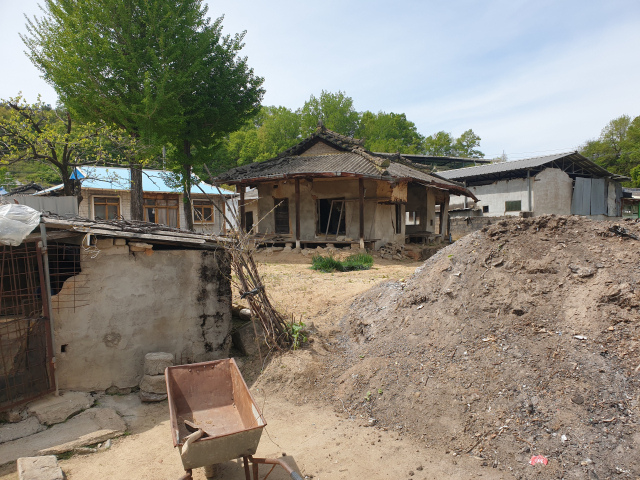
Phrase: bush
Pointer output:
(360, 261)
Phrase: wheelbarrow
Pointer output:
(215, 419)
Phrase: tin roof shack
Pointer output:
(106, 195)
(329, 190)
(562, 184)
(139, 288)
(631, 202)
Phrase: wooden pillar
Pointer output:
(441, 220)
(224, 215)
(361, 194)
(242, 216)
(297, 213)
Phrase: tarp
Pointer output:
(16, 222)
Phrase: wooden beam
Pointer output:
(361, 194)
(297, 213)
(242, 219)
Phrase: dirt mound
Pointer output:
(518, 340)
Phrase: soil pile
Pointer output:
(516, 341)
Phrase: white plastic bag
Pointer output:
(16, 222)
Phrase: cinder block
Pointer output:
(104, 243)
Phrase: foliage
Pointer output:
(617, 148)
(389, 132)
(38, 133)
(360, 261)
(296, 331)
(334, 109)
(444, 144)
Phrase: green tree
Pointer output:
(618, 147)
(38, 133)
(334, 109)
(158, 69)
(466, 145)
(389, 132)
(439, 144)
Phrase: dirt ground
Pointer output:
(321, 443)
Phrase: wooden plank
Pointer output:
(297, 209)
(361, 204)
(243, 225)
(143, 236)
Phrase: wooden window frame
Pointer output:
(162, 196)
(202, 203)
(93, 204)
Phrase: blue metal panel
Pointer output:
(598, 196)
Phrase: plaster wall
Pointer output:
(496, 194)
(552, 190)
(175, 301)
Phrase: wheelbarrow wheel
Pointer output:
(212, 471)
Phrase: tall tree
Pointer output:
(466, 145)
(38, 133)
(389, 132)
(618, 146)
(334, 109)
(439, 144)
(157, 68)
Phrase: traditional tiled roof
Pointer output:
(351, 159)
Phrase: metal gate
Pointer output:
(26, 369)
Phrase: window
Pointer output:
(106, 208)
(161, 208)
(282, 215)
(412, 218)
(514, 206)
(398, 218)
(202, 211)
(485, 209)
(331, 215)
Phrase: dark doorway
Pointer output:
(282, 215)
(248, 221)
(331, 214)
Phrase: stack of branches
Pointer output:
(248, 281)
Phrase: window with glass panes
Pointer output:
(106, 208)
(162, 209)
(202, 211)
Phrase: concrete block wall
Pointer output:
(461, 226)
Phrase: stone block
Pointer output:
(104, 243)
(50, 410)
(120, 241)
(13, 431)
(119, 250)
(14, 415)
(152, 397)
(155, 363)
(287, 250)
(305, 252)
(39, 468)
(244, 338)
(139, 246)
(153, 384)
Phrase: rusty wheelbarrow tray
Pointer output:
(210, 401)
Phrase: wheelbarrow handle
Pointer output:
(277, 461)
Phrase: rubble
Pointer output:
(39, 468)
(50, 410)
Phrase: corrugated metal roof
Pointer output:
(495, 169)
(117, 178)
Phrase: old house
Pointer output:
(106, 194)
(128, 291)
(562, 184)
(328, 189)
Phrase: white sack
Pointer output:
(16, 222)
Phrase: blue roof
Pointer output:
(117, 178)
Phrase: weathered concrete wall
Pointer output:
(496, 194)
(552, 190)
(175, 301)
(461, 226)
(85, 209)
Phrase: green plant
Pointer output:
(360, 261)
(368, 397)
(296, 331)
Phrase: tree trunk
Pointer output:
(188, 211)
(136, 212)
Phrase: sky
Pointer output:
(529, 77)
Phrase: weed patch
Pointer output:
(360, 261)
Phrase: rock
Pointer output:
(39, 468)
(296, 250)
(287, 250)
(277, 249)
(91, 426)
(139, 246)
(104, 243)
(245, 314)
(498, 262)
(50, 410)
(244, 338)
(155, 363)
(153, 384)
(13, 431)
(288, 244)
(113, 390)
(305, 251)
(119, 242)
(14, 415)
(578, 399)
(105, 446)
(152, 397)
(85, 450)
